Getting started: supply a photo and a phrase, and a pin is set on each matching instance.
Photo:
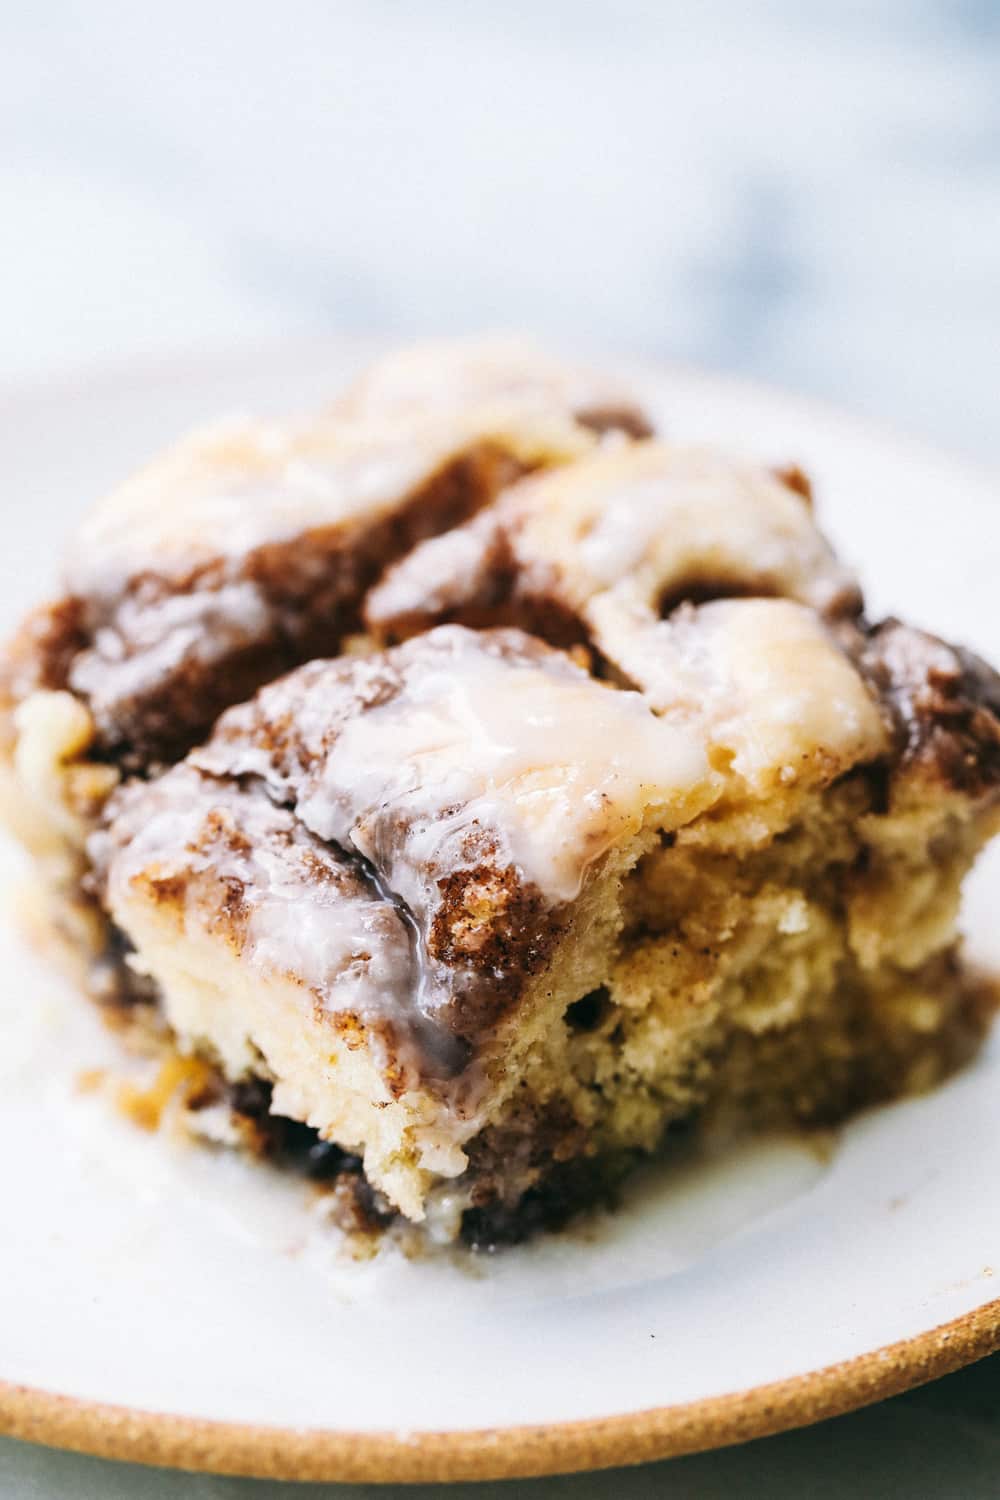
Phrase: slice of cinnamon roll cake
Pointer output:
(474, 785)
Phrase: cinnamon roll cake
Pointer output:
(476, 787)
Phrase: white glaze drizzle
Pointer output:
(758, 678)
(308, 914)
(204, 626)
(534, 752)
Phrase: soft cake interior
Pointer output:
(607, 810)
(242, 551)
(496, 995)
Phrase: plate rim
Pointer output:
(258, 1451)
(108, 375)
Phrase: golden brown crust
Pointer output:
(663, 821)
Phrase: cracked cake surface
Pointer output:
(484, 785)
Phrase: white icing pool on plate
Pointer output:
(186, 1281)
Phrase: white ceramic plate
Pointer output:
(167, 1304)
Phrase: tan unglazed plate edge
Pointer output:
(167, 1438)
(506, 1453)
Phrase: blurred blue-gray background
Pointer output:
(805, 193)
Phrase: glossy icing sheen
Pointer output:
(249, 547)
(761, 679)
(490, 760)
(223, 493)
(490, 738)
(233, 487)
(322, 818)
(656, 517)
(617, 542)
(294, 907)
(648, 521)
(200, 627)
(440, 805)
